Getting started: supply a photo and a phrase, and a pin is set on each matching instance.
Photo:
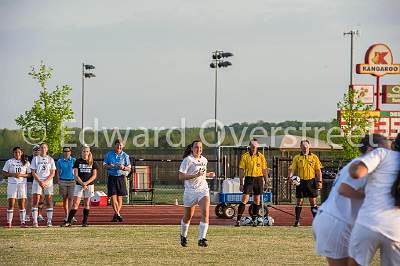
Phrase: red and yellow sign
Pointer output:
(386, 123)
(378, 61)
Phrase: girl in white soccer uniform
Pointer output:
(193, 171)
(16, 170)
(333, 224)
(378, 221)
(43, 170)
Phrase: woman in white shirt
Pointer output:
(336, 216)
(378, 221)
(193, 171)
(16, 169)
(43, 170)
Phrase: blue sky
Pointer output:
(152, 57)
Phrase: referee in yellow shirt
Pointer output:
(253, 176)
(308, 167)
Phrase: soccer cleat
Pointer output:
(23, 225)
(74, 220)
(296, 224)
(49, 225)
(66, 224)
(119, 218)
(183, 241)
(35, 225)
(254, 223)
(115, 218)
(237, 224)
(203, 242)
(27, 219)
(40, 218)
(85, 224)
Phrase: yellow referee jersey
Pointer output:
(305, 166)
(253, 165)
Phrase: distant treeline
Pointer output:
(170, 138)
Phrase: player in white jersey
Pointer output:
(16, 169)
(43, 170)
(378, 221)
(336, 216)
(193, 171)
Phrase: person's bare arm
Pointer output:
(183, 176)
(358, 169)
(347, 191)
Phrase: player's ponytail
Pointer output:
(396, 185)
(188, 149)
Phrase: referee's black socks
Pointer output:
(241, 208)
(256, 210)
(314, 210)
(298, 212)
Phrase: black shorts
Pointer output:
(116, 185)
(253, 185)
(307, 189)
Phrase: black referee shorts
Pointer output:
(307, 189)
(253, 185)
(116, 185)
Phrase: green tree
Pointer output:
(45, 120)
(356, 118)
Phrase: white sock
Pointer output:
(184, 229)
(49, 215)
(22, 216)
(203, 228)
(10, 214)
(34, 215)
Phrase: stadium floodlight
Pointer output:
(85, 74)
(216, 63)
(87, 67)
(352, 33)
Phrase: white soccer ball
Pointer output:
(268, 220)
(246, 220)
(260, 220)
(295, 180)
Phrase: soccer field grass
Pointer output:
(155, 245)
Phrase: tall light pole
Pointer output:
(218, 62)
(352, 33)
(85, 74)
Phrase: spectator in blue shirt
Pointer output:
(66, 179)
(118, 167)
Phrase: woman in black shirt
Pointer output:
(85, 172)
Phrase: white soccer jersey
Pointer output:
(15, 166)
(191, 166)
(343, 208)
(43, 165)
(378, 212)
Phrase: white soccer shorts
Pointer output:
(192, 198)
(36, 189)
(80, 192)
(365, 242)
(16, 191)
(332, 236)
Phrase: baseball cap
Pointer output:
(36, 148)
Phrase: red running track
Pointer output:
(160, 215)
